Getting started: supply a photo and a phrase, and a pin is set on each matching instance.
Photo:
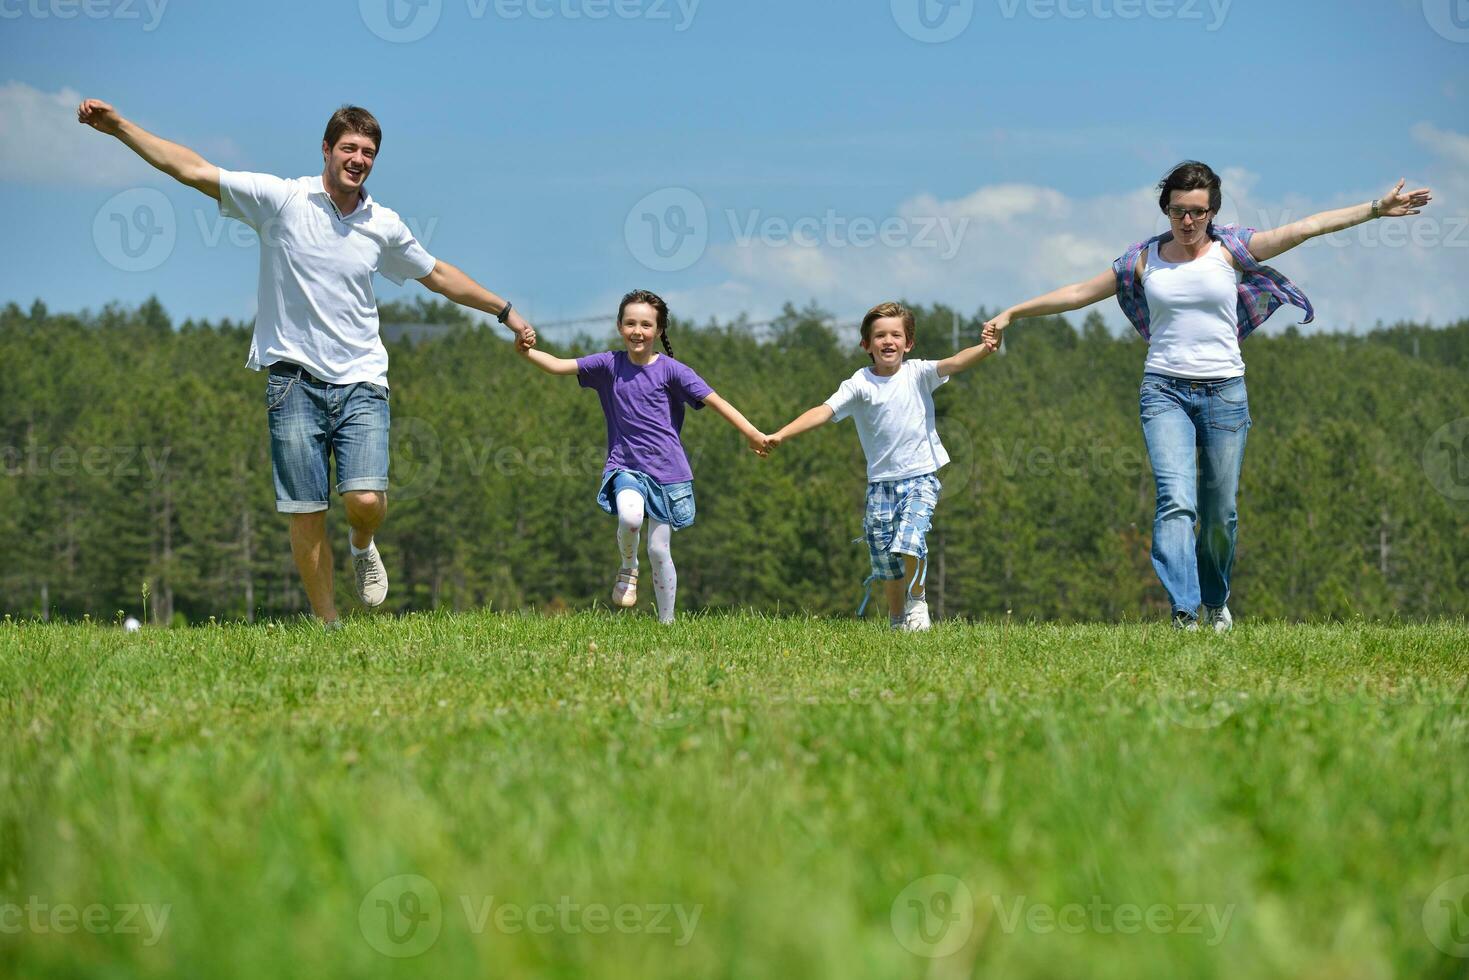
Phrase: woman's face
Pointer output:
(1189, 215)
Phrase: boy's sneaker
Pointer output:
(1219, 618)
(915, 615)
(372, 576)
(1183, 621)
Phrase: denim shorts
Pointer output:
(668, 503)
(312, 421)
(899, 514)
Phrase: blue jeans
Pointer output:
(311, 421)
(669, 503)
(1195, 431)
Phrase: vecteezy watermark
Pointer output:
(418, 456)
(405, 21)
(669, 230)
(1207, 704)
(933, 21)
(933, 917)
(135, 229)
(835, 230)
(403, 916)
(1446, 459)
(1212, 13)
(1446, 917)
(150, 12)
(127, 919)
(1106, 918)
(107, 462)
(1448, 18)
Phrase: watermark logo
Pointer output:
(150, 12)
(41, 918)
(668, 230)
(1211, 13)
(934, 916)
(135, 230)
(1446, 917)
(415, 458)
(400, 21)
(1446, 459)
(1198, 709)
(402, 916)
(1448, 18)
(933, 21)
(1105, 918)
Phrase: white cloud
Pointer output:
(1015, 241)
(44, 143)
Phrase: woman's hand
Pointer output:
(1396, 204)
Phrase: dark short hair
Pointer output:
(1191, 175)
(353, 119)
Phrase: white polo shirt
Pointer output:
(316, 307)
(895, 419)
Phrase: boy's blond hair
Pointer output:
(881, 312)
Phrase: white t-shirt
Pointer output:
(1193, 325)
(316, 307)
(894, 417)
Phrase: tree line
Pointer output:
(136, 460)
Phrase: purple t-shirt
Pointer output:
(644, 408)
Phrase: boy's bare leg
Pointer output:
(897, 591)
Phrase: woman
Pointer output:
(1194, 292)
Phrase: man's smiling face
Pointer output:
(349, 162)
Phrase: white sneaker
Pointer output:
(915, 615)
(372, 576)
(1183, 621)
(1219, 618)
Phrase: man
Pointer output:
(316, 328)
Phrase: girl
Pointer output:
(647, 474)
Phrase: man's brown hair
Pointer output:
(353, 119)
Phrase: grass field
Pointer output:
(492, 795)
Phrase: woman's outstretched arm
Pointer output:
(1394, 204)
(1063, 300)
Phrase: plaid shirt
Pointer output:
(1262, 290)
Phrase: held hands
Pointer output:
(994, 331)
(1396, 204)
(525, 334)
(100, 116)
(759, 443)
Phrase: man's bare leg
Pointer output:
(314, 562)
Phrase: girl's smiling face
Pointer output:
(639, 328)
(888, 343)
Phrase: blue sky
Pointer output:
(819, 151)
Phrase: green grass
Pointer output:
(1283, 801)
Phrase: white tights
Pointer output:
(660, 554)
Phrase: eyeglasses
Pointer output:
(1178, 214)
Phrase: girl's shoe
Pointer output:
(625, 591)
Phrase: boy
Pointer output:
(892, 404)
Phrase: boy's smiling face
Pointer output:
(887, 344)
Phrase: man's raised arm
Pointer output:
(179, 162)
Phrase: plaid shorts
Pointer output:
(899, 513)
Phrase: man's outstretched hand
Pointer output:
(100, 116)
